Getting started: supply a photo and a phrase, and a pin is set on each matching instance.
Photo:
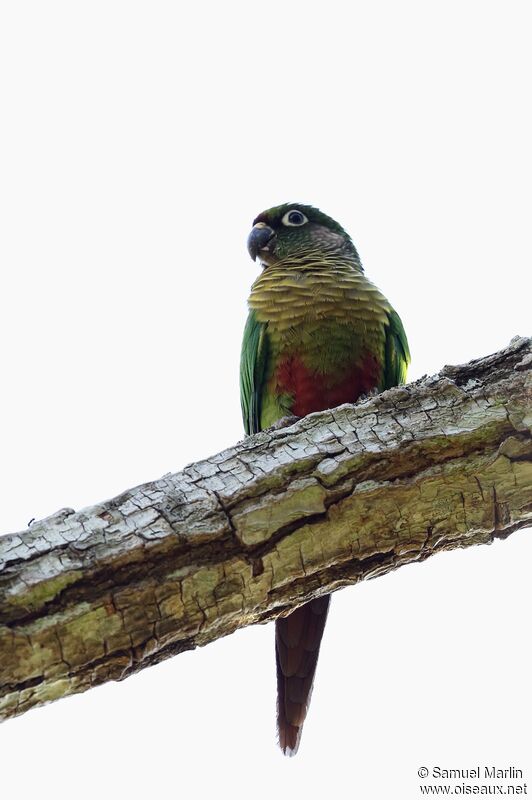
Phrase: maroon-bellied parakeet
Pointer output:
(318, 334)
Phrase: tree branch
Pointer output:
(283, 516)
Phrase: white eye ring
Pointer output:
(300, 217)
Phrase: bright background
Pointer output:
(139, 140)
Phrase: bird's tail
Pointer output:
(297, 646)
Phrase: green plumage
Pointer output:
(253, 363)
(318, 334)
(396, 353)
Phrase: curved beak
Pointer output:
(260, 239)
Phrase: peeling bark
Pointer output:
(286, 515)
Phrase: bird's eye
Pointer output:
(294, 219)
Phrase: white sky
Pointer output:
(139, 140)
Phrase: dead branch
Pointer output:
(344, 495)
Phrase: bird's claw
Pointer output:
(366, 396)
(284, 422)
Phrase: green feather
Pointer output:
(253, 362)
(396, 352)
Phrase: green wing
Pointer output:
(396, 353)
(253, 362)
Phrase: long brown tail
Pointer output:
(297, 646)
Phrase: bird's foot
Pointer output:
(371, 393)
(284, 422)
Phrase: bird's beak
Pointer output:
(260, 240)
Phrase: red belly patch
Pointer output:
(314, 391)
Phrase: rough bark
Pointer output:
(347, 494)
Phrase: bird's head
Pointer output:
(297, 235)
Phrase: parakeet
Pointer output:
(318, 334)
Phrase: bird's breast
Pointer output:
(286, 299)
(326, 338)
(308, 390)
